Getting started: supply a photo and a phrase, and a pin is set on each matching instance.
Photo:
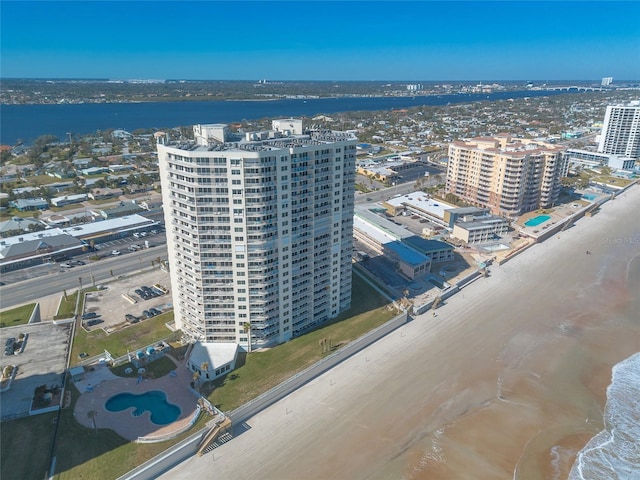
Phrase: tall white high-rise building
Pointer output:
(259, 230)
(621, 130)
(606, 81)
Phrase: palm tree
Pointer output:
(247, 329)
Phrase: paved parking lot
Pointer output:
(41, 363)
(112, 306)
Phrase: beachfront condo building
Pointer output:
(621, 130)
(259, 230)
(507, 176)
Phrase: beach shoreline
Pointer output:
(509, 381)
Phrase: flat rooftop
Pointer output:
(117, 224)
(406, 254)
(278, 143)
(42, 362)
(421, 201)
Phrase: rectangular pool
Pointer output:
(534, 222)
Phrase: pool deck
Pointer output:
(100, 385)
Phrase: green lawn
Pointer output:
(131, 338)
(16, 316)
(25, 446)
(67, 308)
(610, 180)
(11, 212)
(260, 371)
(37, 180)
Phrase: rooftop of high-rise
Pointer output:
(217, 137)
(505, 144)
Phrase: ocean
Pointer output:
(614, 453)
(28, 122)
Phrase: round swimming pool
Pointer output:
(155, 401)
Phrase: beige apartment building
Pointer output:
(508, 176)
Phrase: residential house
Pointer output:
(104, 193)
(27, 204)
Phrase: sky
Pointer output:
(321, 40)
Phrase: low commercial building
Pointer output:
(472, 229)
(439, 252)
(587, 159)
(26, 250)
(410, 262)
(453, 215)
(106, 230)
(420, 204)
(387, 168)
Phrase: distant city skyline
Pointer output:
(321, 40)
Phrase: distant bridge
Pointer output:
(578, 88)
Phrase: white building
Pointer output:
(259, 230)
(621, 130)
(606, 81)
(588, 159)
(478, 229)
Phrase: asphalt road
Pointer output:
(52, 279)
(385, 194)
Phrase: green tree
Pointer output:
(247, 329)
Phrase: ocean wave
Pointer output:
(614, 453)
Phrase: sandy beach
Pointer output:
(507, 382)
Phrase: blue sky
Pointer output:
(314, 40)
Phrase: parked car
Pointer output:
(154, 232)
(115, 252)
(136, 235)
(88, 315)
(138, 292)
(95, 321)
(155, 311)
(131, 318)
(66, 265)
(76, 263)
(147, 314)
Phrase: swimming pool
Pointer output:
(155, 401)
(496, 248)
(589, 196)
(534, 222)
